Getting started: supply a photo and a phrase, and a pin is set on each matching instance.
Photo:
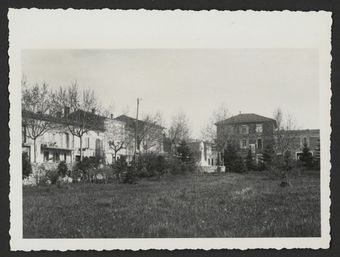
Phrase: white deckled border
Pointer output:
(110, 29)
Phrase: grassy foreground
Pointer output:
(225, 205)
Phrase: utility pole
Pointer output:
(136, 128)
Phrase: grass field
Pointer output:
(225, 205)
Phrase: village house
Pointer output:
(150, 136)
(107, 138)
(310, 137)
(245, 131)
(255, 132)
(54, 145)
(57, 143)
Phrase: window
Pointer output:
(259, 158)
(304, 141)
(61, 136)
(46, 156)
(298, 155)
(65, 157)
(67, 140)
(56, 157)
(258, 128)
(212, 162)
(244, 143)
(259, 143)
(208, 161)
(24, 133)
(244, 129)
(86, 142)
(230, 129)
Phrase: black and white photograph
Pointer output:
(171, 141)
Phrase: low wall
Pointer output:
(39, 170)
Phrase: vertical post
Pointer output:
(136, 128)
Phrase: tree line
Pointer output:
(42, 109)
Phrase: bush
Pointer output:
(52, 176)
(306, 157)
(62, 169)
(119, 167)
(185, 158)
(150, 164)
(26, 166)
(125, 173)
(267, 157)
(287, 161)
(238, 165)
(173, 165)
(232, 161)
(83, 167)
(250, 161)
(130, 176)
(108, 172)
(76, 174)
(184, 153)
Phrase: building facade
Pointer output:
(109, 139)
(255, 132)
(298, 138)
(244, 132)
(149, 136)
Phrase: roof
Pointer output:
(302, 131)
(132, 121)
(92, 120)
(41, 116)
(246, 118)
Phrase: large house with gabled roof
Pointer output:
(252, 131)
(149, 134)
(245, 131)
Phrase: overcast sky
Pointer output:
(195, 81)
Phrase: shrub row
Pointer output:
(268, 161)
(151, 165)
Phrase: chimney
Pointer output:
(66, 111)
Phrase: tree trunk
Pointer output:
(81, 148)
(35, 150)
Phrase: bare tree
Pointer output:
(80, 111)
(278, 116)
(178, 131)
(119, 140)
(149, 131)
(36, 106)
(286, 133)
(107, 112)
(209, 132)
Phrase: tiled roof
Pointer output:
(302, 131)
(246, 118)
(132, 121)
(93, 121)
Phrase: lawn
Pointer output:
(224, 205)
